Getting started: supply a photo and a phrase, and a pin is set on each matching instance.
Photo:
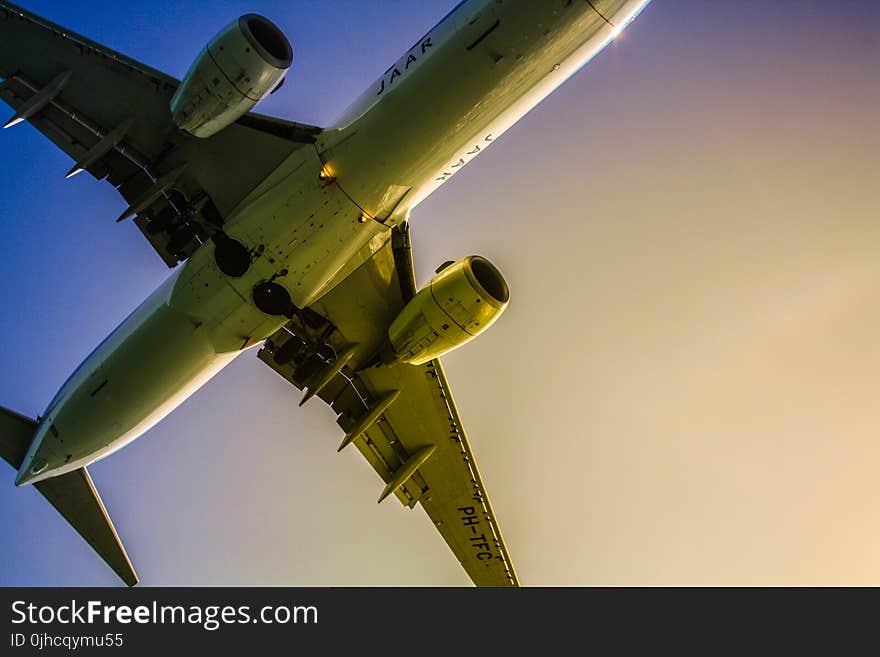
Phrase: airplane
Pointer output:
(291, 238)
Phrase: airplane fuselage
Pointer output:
(324, 211)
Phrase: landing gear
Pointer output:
(272, 299)
(231, 256)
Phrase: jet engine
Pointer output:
(245, 61)
(461, 302)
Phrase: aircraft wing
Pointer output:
(402, 418)
(111, 115)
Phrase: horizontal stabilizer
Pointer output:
(72, 494)
(76, 498)
(16, 432)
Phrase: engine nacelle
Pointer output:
(461, 302)
(240, 65)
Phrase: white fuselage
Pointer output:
(325, 211)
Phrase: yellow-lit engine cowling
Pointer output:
(239, 66)
(460, 303)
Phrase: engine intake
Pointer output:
(239, 66)
(461, 302)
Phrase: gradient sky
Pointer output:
(684, 389)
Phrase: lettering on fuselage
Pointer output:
(395, 73)
(446, 175)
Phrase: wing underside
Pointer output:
(401, 418)
(112, 116)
